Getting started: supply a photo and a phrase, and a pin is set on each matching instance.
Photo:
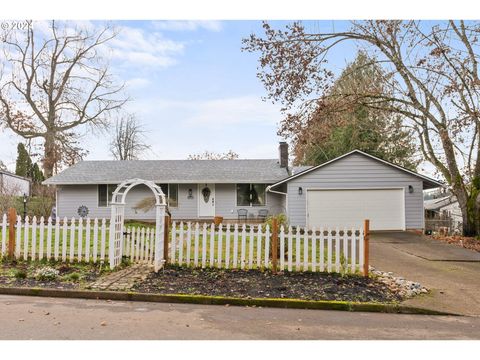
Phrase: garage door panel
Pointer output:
(348, 208)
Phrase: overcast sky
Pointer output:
(193, 89)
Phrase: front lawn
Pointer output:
(265, 284)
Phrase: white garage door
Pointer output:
(347, 208)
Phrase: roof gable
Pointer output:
(428, 182)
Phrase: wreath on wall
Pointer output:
(206, 194)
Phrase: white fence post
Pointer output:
(197, 239)
(204, 245)
(235, 246)
(314, 249)
(49, 238)
(4, 234)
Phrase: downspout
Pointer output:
(269, 189)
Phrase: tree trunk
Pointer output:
(49, 159)
(470, 211)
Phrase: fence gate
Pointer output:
(117, 219)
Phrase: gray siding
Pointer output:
(70, 197)
(14, 185)
(356, 171)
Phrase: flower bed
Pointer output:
(258, 284)
(49, 274)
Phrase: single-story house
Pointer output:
(444, 210)
(14, 185)
(341, 192)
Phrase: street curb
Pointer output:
(220, 300)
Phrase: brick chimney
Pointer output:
(283, 154)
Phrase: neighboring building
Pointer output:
(443, 212)
(11, 184)
(342, 192)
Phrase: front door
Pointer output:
(206, 200)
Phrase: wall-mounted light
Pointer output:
(410, 189)
(300, 191)
(190, 194)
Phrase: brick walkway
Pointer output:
(123, 279)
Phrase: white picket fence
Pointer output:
(249, 247)
(191, 244)
(74, 240)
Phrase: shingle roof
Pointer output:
(171, 171)
(436, 204)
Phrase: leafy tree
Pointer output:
(432, 72)
(336, 127)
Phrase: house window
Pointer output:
(105, 194)
(171, 193)
(251, 194)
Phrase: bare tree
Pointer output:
(128, 141)
(56, 83)
(208, 155)
(432, 71)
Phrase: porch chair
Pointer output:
(242, 214)
(262, 214)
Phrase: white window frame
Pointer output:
(109, 199)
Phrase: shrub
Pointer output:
(46, 273)
(20, 274)
(73, 276)
(281, 220)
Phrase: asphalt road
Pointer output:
(24, 317)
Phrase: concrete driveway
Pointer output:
(451, 272)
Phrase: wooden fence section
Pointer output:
(252, 247)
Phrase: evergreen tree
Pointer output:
(24, 162)
(37, 174)
(25, 167)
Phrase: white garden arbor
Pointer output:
(118, 217)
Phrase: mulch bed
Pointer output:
(258, 284)
(87, 273)
(470, 243)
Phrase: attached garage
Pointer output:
(349, 207)
(353, 187)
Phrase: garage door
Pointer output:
(347, 208)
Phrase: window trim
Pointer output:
(250, 204)
(168, 196)
(109, 201)
(168, 193)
